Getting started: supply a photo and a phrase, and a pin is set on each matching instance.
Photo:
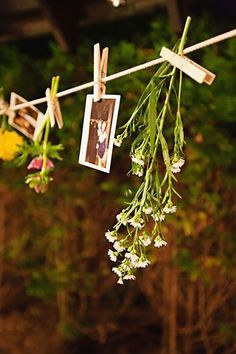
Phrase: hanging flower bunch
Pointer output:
(156, 162)
(41, 152)
(10, 141)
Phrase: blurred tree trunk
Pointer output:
(189, 313)
(3, 201)
(170, 303)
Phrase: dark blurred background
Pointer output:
(57, 292)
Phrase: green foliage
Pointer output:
(30, 149)
(55, 245)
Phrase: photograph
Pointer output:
(98, 132)
(25, 120)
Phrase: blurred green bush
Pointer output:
(53, 246)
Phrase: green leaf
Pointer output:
(176, 193)
(165, 150)
(152, 119)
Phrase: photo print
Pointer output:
(99, 131)
(26, 120)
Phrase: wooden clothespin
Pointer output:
(54, 109)
(188, 66)
(39, 123)
(50, 107)
(100, 71)
(58, 114)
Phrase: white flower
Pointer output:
(181, 162)
(126, 265)
(137, 160)
(117, 142)
(158, 217)
(147, 210)
(139, 173)
(169, 208)
(136, 222)
(121, 218)
(117, 271)
(176, 166)
(112, 255)
(142, 263)
(120, 281)
(111, 236)
(132, 256)
(129, 277)
(128, 255)
(162, 216)
(159, 242)
(145, 239)
(175, 169)
(118, 247)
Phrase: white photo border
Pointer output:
(38, 121)
(85, 132)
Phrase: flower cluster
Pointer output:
(119, 139)
(131, 255)
(131, 251)
(41, 152)
(137, 165)
(38, 180)
(10, 143)
(156, 160)
(176, 165)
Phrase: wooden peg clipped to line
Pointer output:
(96, 72)
(209, 76)
(54, 110)
(58, 114)
(50, 107)
(39, 123)
(104, 64)
(188, 66)
(100, 71)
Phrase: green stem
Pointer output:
(136, 236)
(162, 119)
(4, 122)
(37, 138)
(146, 94)
(184, 36)
(54, 88)
(45, 144)
(180, 90)
(163, 115)
(145, 190)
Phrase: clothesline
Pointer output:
(146, 65)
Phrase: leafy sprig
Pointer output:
(41, 151)
(28, 150)
(155, 161)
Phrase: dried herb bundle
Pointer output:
(156, 162)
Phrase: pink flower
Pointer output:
(38, 188)
(37, 184)
(37, 164)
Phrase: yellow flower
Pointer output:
(9, 144)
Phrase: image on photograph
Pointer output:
(26, 119)
(98, 132)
